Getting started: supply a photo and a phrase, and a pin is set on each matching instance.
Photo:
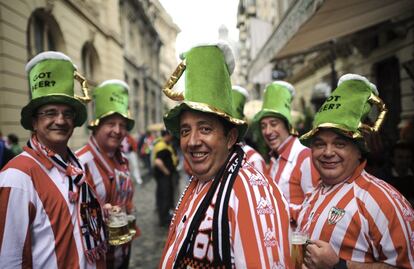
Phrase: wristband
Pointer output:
(341, 264)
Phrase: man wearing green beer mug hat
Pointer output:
(229, 216)
(290, 163)
(353, 219)
(51, 217)
(107, 167)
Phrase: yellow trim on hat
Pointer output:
(95, 122)
(207, 108)
(344, 131)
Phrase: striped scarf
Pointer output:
(117, 170)
(222, 185)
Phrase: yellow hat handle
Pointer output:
(84, 84)
(168, 91)
(375, 100)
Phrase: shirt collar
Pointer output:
(284, 149)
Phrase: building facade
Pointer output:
(168, 32)
(313, 42)
(105, 39)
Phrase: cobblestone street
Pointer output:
(146, 250)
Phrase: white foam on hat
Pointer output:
(114, 81)
(47, 55)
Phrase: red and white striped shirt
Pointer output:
(39, 227)
(254, 157)
(103, 173)
(258, 222)
(293, 170)
(99, 171)
(363, 218)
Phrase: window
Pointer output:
(90, 62)
(90, 67)
(136, 105)
(43, 33)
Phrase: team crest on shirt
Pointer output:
(264, 207)
(335, 214)
(255, 180)
(270, 238)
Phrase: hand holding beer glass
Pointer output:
(117, 225)
(299, 240)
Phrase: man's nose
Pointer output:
(194, 139)
(117, 128)
(60, 118)
(266, 130)
(329, 150)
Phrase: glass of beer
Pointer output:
(298, 248)
(117, 225)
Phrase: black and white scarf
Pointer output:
(89, 211)
(222, 185)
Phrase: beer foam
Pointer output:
(299, 238)
(117, 223)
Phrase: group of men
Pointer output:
(54, 202)
(235, 211)
(237, 214)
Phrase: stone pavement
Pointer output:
(147, 249)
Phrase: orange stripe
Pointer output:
(319, 210)
(351, 237)
(283, 157)
(282, 164)
(296, 194)
(375, 233)
(278, 205)
(395, 227)
(4, 201)
(82, 151)
(245, 222)
(27, 248)
(328, 228)
(57, 211)
(285, 223)
(373, 229)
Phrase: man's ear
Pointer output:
(34, 125)
(232, 138)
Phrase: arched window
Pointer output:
(136, 104)
(90, 69)
(90, 63)
(43, 33)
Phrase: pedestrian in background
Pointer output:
(353, 219)
(5, 153)
(130, 149)
(290, 163)
(229, 216)
(14, 146)
(165, 172)
(145, 149)
(51, 217)
(239, 96)
(106, 166)
(400, 172)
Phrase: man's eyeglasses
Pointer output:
(53, 114)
